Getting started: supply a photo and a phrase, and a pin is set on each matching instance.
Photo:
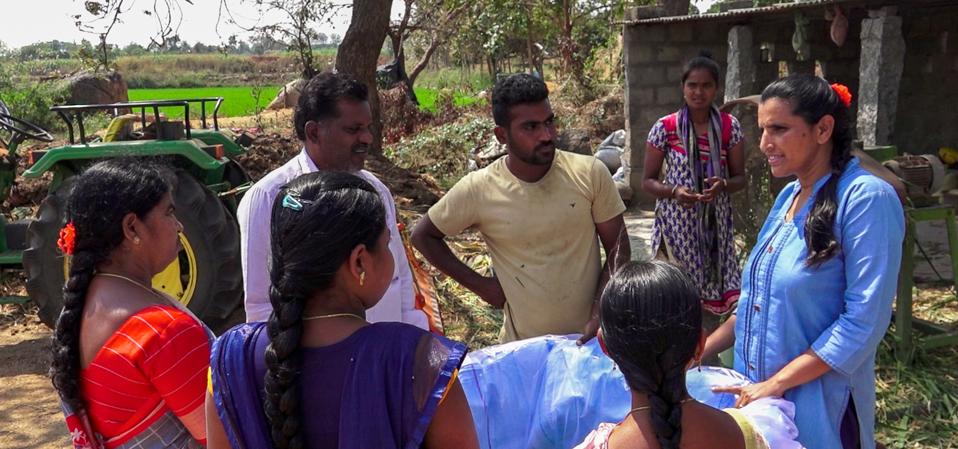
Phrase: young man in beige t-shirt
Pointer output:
(539, 211)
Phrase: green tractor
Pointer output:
(207, 188)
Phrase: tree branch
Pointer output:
(440, 36)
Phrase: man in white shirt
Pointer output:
(332, 119)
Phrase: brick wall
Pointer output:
(654, 59)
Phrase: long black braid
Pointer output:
(812, 98)
(651, 320)
(101, 197)
(313, 232)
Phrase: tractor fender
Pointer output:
(192, 150)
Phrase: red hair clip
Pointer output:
(67, 239)
(843, 94)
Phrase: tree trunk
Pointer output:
(572, 66)
(359, 52)
(397, 37)
(405, 78)
(676, 7)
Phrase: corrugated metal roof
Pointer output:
(741, 13)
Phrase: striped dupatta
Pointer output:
(686, 132)
(707, 220)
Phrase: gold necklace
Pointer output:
(649, 407)
(137, 283)
(332, 315)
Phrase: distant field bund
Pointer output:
(237, 101)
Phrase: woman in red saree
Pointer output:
(129, 362)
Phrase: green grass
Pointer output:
(429, 99)
(237, 101)
(471, 80)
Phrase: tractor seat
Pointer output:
(120, 128)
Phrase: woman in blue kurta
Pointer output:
(818, 286)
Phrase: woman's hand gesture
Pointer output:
(751, 393)
(685, 197)
(715, 185)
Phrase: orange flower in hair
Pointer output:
(67, 239)
(843, 94)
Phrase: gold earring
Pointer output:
(362, 278)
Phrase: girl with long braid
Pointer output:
(818, 286)
(317, 375)
(128, 362)
(651, 327)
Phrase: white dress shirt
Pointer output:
(254, 213)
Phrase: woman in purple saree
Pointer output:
(317, 375)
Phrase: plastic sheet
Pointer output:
(547, 392)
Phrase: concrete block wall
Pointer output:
(654, 55)
(928, 92)
(654, 59)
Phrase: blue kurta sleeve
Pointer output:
(873, 228)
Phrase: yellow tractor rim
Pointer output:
(171, 280)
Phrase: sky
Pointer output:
(28, 21)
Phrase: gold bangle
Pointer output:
(672, 194)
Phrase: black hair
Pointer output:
(651, 320)
(101, 197)
(812, 98)
(338, 212)
(320, 96)
(516, 89)
(703, 61)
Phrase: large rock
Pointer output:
(91, 88)
(575, 140)
(288, 96)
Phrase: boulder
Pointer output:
(288, 96)
(92, 88)
(625, 191)
(574, 140)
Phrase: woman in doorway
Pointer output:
(703, 157)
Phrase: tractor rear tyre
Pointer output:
(208, 267)
(42, 260)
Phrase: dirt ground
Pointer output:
(29, 410)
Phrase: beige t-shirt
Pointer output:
(541, 236)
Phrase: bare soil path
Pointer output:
(30, 416)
